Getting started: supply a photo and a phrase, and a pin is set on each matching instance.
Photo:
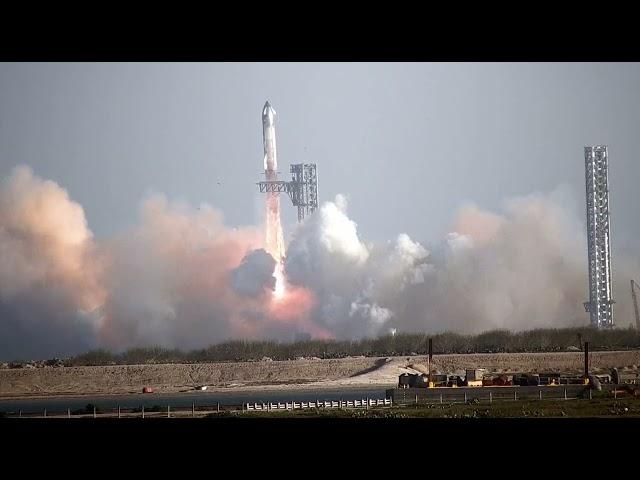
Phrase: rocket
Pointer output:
(274, 236)
(269, 136)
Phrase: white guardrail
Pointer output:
(365, 403)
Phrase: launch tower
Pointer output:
(600, 304)
(302, 189)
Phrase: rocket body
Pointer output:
(274, 237)
(269, 137)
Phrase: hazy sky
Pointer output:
(408, 143)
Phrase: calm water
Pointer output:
(106, 402)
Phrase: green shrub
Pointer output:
(404, 344)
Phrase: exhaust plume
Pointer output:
(182, 278)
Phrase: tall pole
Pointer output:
(430, 355)
(586, 360)
(634, 285)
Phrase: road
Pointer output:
(185, 400)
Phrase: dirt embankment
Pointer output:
(347, 372)
(174, 377)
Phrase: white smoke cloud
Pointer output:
(170, 280)
(324, 248)
(49, 269)
(183, 279)
(355, 282)
(372, 316)
(521, 269)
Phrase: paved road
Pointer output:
(185, 400)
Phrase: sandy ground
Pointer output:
(295, 374)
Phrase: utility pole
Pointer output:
(586, 361)
(430, 384)
(634, 285)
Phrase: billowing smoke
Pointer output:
(357, 283)
(254, 276)
(181, 278)
(171, 281)
(184, 279)
(49, 270)
(522, 269)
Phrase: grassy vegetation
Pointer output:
(155, 408)
(495, 341)
(88, 409)
(600, 406)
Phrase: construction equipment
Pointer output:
(634, 285)
(474, 377)
(527, 379)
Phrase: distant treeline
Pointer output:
(495, 341)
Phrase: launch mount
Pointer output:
(302, 189)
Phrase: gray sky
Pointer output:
(408, 143)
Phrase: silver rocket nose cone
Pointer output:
(268, 112)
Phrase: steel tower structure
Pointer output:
(600, 304)
(302, 189)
